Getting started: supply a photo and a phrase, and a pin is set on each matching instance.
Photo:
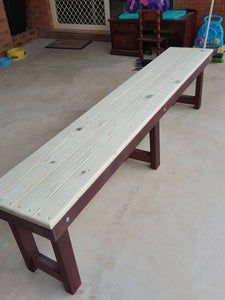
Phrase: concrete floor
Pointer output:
(156, 235)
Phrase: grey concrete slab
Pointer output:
(147, 234)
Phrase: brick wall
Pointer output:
(39, 18)
(39, 15)
(202, 7)
(5, 35)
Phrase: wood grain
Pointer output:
(42, 188)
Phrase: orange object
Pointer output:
(2, 53)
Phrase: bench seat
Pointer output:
(47, 191)
(43, 187)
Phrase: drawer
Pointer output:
(124, 27)
(171, 28)
(124, 42)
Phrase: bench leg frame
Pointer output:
(64, 268)
(26, 244)
(195, 100)
(67, 264)
(152, 156)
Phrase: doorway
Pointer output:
(16, 15)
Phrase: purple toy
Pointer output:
(159, 5)
(133, 6)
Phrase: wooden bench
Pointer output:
(48, 190)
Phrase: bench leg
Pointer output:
(67, 263)
(198, 91)
(64, 269)
(153, 156)
(26, 244)
(155, 147)
(195, 100)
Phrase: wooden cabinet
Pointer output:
(124, 33)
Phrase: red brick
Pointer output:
(39, 15)
(202, 7)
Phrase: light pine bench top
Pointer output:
(43, 187)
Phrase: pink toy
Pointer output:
(145, 2)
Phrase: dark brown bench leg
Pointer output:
(64, 269)
(155, 147)
(195, 100)
(198, 91)
(26, 244)
(67, 263)
(153, 156)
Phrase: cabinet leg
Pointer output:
(141, 51)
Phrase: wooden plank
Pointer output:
(60, 173)
(67, 148)
(64, 171)
(47, 265)
(186, 99)
(141, 155)
(138, 80)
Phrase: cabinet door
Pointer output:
(124, 42)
